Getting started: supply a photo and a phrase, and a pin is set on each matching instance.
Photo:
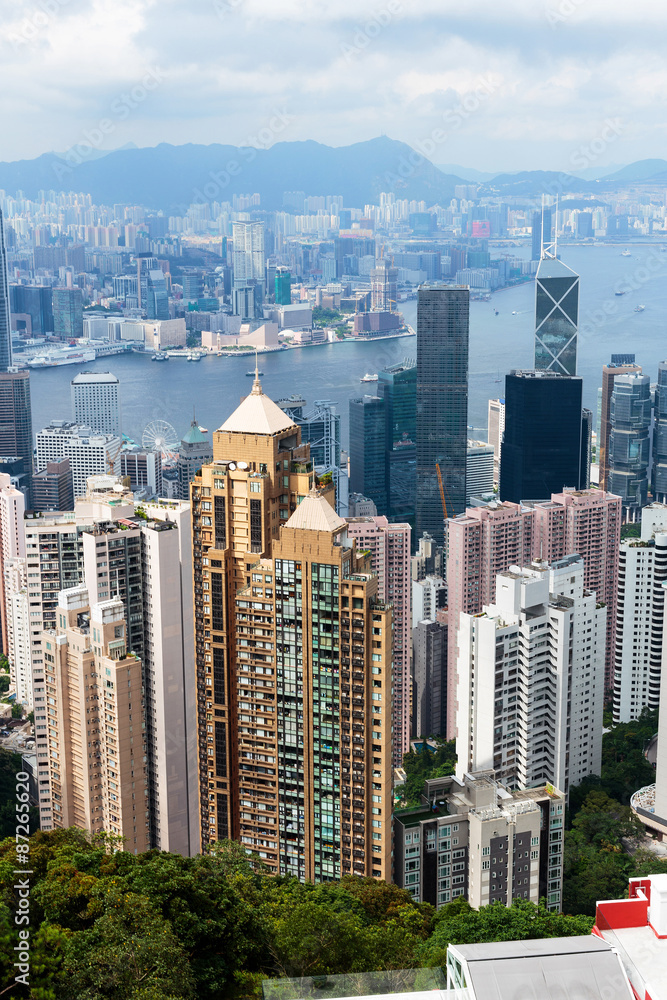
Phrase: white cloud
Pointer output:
(346, 70)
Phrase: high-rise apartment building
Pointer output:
(89, 454)
(12, 540)
(96, 402)
(629, 441)
(368, 450)
(389, 546)
(96, 742)
(642, 569)
(194, 452)
(144, 470)
(144, 559)
(442, 405)
(283, 286)
(429, 597)
(288, 618)
(531, 679)
(17, 614)
(473, 838)
(67, 313)
(556, 316)
(248, 256)
(543, 449)
(16, 424)
(384, 284)
(619, 365)
(496, 425)
(428, 559)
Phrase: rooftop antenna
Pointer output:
(256, 385)
(556, 229)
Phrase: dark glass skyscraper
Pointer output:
(543, 446)
(556, 317)
(367, 450)
(398, 387)
(629, 440)
(442, 404)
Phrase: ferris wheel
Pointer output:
(161, 436)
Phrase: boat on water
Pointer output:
(619, 293)
(253, 373)
(640, 309)
(160, 357)
(66, 356)
(497, 313)
(625, 253)
(369, 378)
(513, 312)
(194, 357)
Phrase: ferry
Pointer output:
(160, 357)
(640, 309)
(66, 356)
(625, 253)
(369, 378)
(619, 293)
(194, 357)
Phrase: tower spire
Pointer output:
(256, 385)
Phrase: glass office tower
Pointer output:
(556, 317)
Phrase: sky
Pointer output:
(572, 85)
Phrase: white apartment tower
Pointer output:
(480, 474)
(12, 539)
(96, 402)
(248, 256)
(642, 572)
(531, 679)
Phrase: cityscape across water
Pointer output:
(608, 323)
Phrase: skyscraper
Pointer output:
(659, 471)
(429, 664)
(619, 365)
(367, 450)
(12, 539)
(283, 286)
(152, 288)
(629, 441)
(442, 404)
(248, 254)
(496, 428)
(384, 282)
(96, 402)
(556, 316)
(5, 318)
(543, 449)
(531, 679)
(397, 385)
(67, 313)
(16, 423)
(288, 618)
(89, 454)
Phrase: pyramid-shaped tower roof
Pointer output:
(314, 513)
(257, 414)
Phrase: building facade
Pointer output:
(52, 487)
(480, 469)
(397, 386)
(473, 838)
(194, 452)
(89, 454)
(96, 402)
(67, 313)
(16, 425)
(442, 405)
(389, 546)
(531, 679)
(367, 450)
(429, 672)
(619, 365)
(556, 316)
(629, 442)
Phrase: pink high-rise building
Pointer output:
(488, 540)
(389, 545)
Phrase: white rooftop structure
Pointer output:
(315, 514)
(257, 414)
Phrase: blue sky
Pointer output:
(518, 84)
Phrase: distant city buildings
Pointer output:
(68, 313)
(89, 453)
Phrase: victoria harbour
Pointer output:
(608, 323)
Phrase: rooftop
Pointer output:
(314, 513)
(551, 267)
(257, 414)
(637, 929)
(86, 378)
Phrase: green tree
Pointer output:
(458, 923)
(17, 710)
(4, 683)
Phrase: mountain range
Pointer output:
(172, 177)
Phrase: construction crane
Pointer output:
(111, 459)
(442, 490)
